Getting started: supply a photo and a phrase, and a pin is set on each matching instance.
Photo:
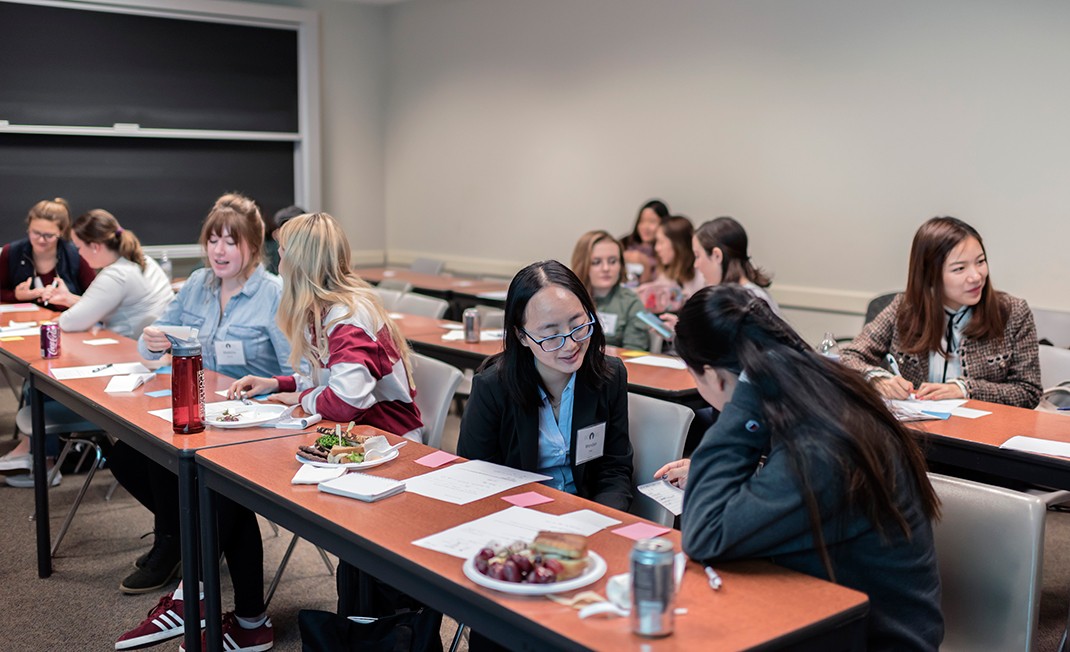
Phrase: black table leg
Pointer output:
(210, 554)
(40, 482)
(187, 509)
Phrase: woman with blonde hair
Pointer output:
(598, 261)
(130, 289)
(336, 323)
(44, 263)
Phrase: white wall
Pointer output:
(830, 128)
(353, 118)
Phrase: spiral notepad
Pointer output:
(362, 486)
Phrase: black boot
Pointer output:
(160, 566)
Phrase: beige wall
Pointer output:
(830, 128)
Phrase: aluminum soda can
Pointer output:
(471, 325)
(49, 339)
(653, 587)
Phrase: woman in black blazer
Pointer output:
(552, 402)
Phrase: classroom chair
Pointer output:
(1054, 365)
(81, 433)
(877, 304)
(435, 382)
(990, 550)
(395, 284)
(427, 266)
(418, 304)
(657, 430)
(387, 296)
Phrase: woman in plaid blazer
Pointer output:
(951, 334)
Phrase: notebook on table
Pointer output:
(362, 486)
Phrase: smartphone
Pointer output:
(653, 321)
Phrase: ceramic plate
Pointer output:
(255, 414)
(352, 465)
(595, 570)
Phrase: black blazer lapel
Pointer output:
(527, 430)
(584, 415)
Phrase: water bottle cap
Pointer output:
(183, 348)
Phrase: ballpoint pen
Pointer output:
(714, 578)
(110, 364)
(893, 366)
(55, 284)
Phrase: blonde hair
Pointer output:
(57, 211)
(240, 217)
(100, 226)
(581, 256)
(316, 276)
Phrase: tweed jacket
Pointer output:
(1000, 370)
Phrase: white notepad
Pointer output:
(362, 486)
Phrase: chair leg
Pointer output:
(111, 489)
(458, 636)
(282, 568)
(81, 494)
(326, 560)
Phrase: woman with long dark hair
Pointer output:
(551, 384)
(806, 467)
(951, 334)
(720, 248)
(639, 255)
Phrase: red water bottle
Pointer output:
(187, 386)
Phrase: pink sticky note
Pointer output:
(640, 531)
(436, 459)
(527, 499)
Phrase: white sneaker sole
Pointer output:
(151, 639)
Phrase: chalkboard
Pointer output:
(76, 67)
(160, 188)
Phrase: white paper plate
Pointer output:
(255, 414)
(595, 570)
(352, 465)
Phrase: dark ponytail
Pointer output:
(100, 226)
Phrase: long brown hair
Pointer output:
(240, 217)
(100, 226)
(581, 256)
(727, 234)
(57, 211)
(678, 229)
(921, 320)
(815, 407)
(659, 208)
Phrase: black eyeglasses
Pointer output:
(555, 342)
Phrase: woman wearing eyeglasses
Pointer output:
(552, 402)
(44, 263)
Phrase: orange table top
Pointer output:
(759, 603)
(433, 282)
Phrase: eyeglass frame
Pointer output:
(46, 237)
(571, 335)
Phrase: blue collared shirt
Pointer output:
(555, 438)
(249, 318)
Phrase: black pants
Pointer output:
(239, 533)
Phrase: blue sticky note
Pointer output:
(943, 416)
(166, 369)
(262, 397)
(158, 393)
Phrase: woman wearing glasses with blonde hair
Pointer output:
(550, 387)
(45, 263)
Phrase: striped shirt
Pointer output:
(361, 378)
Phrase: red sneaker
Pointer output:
(164, 621)
(238, 639)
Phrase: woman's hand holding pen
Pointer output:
(895, 387)
(58, 294)
(675, 473)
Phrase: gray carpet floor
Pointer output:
(80, 606)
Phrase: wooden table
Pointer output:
(760, 605)
(124, 416)
(460, 292)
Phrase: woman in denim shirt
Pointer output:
(232, 303)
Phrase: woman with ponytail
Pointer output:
(130, 290)
(805, 467)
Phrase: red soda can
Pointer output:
(49, 339)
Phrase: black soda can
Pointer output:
(49, 339)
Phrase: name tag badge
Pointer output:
(590, 442)
(230, 353)
(609, 322)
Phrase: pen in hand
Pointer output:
(893, 366)
(714, 578)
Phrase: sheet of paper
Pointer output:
(968, 413)
(100, 370)
(490, 335)
(309, 474)
(905, 409)
(641, 531)
(527, 499)
(17, 326)
(1035, 445)
(461, 484)
(101, 341)
(436, 459)
(179, 332)
(22, 332)
(128, 383)
(451, 326)
(509, 525)
(18, 307)
(587, 521)
(163, 413)
(659, 361)
(665, 494)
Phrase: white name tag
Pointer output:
(609, 322)
(590, 442)
(230, 353)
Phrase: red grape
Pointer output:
(485, 553)
(496, 571)
(522, 562)
(510, 572)
(554, 565)
(481, 565)
(542, 575)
